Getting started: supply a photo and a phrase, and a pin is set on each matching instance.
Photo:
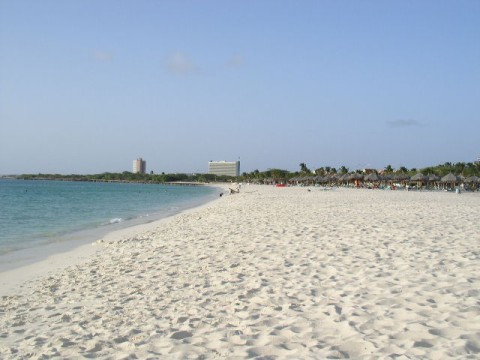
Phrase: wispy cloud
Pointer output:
(236, 61)
(180, 63)
(103, 56)
(402, 123)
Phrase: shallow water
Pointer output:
(34, 214)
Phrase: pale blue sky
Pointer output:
(88, 86)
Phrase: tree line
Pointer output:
(127, 176)
(460, 168)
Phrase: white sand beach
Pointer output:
(269, 273)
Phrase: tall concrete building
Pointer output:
(139, 166)
(229, 168)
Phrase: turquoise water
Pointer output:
(37, 213)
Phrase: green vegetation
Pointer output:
(464, 169)
(304, 168)
(131, 177)
(461, 169)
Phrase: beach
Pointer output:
(268, 273)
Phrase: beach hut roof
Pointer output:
(419, 177)
(372, 177)
(304, 178)
(355, 176)
(401, 176)
(450, 178)
(433, 177)
(472, 179)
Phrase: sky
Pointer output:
(89, 86)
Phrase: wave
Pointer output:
(114, 221)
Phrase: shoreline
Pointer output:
(269, 272)
(21, 233)
(26, 265)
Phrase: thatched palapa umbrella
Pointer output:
(324, 179)
(387, 177)
(332, 178)
(402, 177)
(308, 180)
(372, 178)
(299, 179)
(420, 179)
(317, 179)
(432, 179)
(450, 179)
(293, 180)
(345, 177)
(472, 180)
(357, 178)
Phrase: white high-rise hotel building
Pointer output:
(229, 168)
(139, 166)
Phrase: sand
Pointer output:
(268, 273)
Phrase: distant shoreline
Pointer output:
(180, 183)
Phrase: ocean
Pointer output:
(34, 215)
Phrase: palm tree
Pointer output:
(320, 171)
(388, 169)
(470, 168)
(459, 168)
(304, 168)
